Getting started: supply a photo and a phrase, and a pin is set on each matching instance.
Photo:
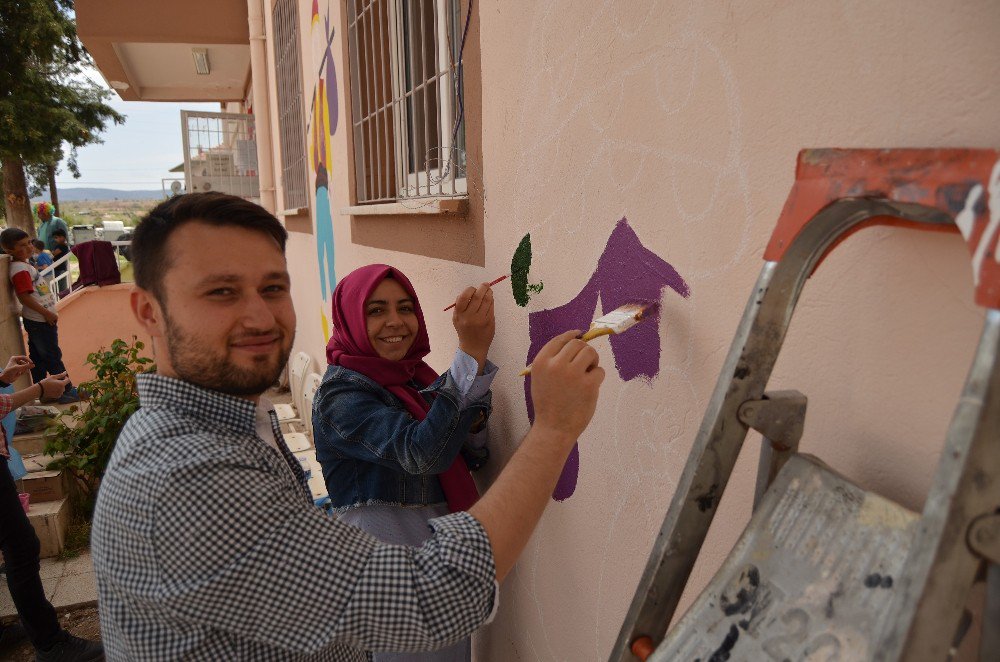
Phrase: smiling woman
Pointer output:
(392, 320)
(395, 439)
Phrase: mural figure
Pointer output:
(323, 124)
(627, 272)
(520, 265)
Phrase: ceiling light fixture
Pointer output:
(201, 61)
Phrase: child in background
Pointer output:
(60, 249)
(43, 258)
(38, 311)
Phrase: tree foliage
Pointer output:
(47, 103)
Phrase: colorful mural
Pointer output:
(322, 125)
(627, 272)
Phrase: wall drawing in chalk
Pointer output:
(627, 272)
(322, 125)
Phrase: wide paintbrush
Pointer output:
(619, 320)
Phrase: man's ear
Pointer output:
(148, 312)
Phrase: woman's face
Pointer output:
(392, 320)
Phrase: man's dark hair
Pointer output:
(58, 232)
(10, 237)
(149, 243)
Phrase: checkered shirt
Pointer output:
(206, 546)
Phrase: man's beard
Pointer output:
(195, 365)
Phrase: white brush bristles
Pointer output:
(621, 318)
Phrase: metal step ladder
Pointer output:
(825, 570)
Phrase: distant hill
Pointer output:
(80, 194)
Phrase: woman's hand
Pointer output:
(54, 385)
(16, 366)
(474, 322)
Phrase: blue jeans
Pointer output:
(43, 349)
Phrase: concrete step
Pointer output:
(38, 461)
(29, 444)
(50, 520)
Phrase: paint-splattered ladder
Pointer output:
(824, 569)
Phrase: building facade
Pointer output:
(607, 150)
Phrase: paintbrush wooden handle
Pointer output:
(596, 333)
(492, 283)
(587, 337)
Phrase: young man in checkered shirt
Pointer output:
(205, 541)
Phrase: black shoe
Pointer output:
(12, 636)
(71, 649)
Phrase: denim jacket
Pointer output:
(373, 451)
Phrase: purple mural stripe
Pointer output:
(627, 272)
(544, 325)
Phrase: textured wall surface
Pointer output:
(686, 118)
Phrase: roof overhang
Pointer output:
(145, 48)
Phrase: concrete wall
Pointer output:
(684, 118)
(90, 319)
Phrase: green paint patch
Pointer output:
(520, 265)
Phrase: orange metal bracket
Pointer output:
(964, 183)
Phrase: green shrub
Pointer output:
(85, 434)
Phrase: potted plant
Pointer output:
(85, 434)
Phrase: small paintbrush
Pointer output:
(491, 284)
(619, 320)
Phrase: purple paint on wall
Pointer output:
(627, 272)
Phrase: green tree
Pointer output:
(46, 101)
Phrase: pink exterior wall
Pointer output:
(91, 319)
(686, 119)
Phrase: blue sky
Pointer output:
(137, 154)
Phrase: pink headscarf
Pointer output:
(350, 347)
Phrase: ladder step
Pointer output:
(811, 577)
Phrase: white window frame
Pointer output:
(446, 178)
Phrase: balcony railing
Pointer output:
(63, 282)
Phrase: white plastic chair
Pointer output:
(298, 368)
(299, 441)
(314, 472)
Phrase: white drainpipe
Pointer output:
(261, 108)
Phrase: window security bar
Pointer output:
(63, 282)
(404, 55)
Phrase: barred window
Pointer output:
(407, 103)
(291, 125)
